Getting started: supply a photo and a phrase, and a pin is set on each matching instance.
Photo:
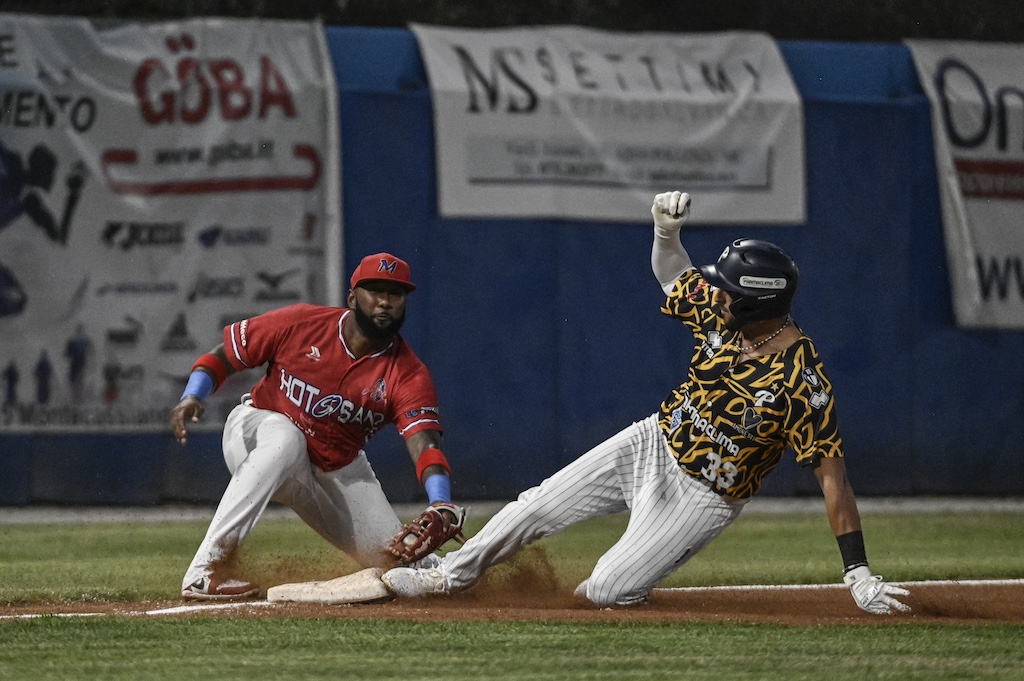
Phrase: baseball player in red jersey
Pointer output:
(334, 377)
(755, 388)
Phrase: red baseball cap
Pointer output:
(383, 267)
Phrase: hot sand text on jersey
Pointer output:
(338, 400)
(302, 395)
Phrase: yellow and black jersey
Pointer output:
(730, 423)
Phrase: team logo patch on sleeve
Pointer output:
(819, 398)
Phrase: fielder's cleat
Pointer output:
(410, 582)
(210, 588)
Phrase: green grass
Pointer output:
(145, 561)
(129, 649)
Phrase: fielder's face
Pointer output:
(379, 308)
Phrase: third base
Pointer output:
(359, 587)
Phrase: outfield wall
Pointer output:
(544, 337)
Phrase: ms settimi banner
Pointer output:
(977, 99)
(581, 124)
(157, 182)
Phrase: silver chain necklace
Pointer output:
(761, 342)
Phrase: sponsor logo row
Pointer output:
(129, 234)
(261, 286)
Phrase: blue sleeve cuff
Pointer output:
(199, 384)
(439, 488)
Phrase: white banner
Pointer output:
(157, 181)
(977, 97)
(584, 124)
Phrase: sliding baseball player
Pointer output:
(756, 388)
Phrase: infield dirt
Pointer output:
(529, 592)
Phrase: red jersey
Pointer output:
(338, 401)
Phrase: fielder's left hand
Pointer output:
(428, 532)
(873, 594)
(189, 410)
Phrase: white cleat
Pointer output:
(410, 582)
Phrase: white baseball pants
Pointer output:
(672, 517)
(266, 454)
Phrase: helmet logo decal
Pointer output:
(775, 283)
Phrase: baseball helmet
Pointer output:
(760, 277)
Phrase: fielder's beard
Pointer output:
(374, 332)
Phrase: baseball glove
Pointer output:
(428, 532)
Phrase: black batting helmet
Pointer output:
(760, 277)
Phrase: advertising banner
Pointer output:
(977, 97)
(157, 182)
(576, 123)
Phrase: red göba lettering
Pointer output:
(187, 90)
(191, 91)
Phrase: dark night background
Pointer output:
(883, 21)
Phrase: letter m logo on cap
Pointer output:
(383, 267)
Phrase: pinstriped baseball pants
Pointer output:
(672, 517)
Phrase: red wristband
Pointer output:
(431, 457)
(215, 365)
